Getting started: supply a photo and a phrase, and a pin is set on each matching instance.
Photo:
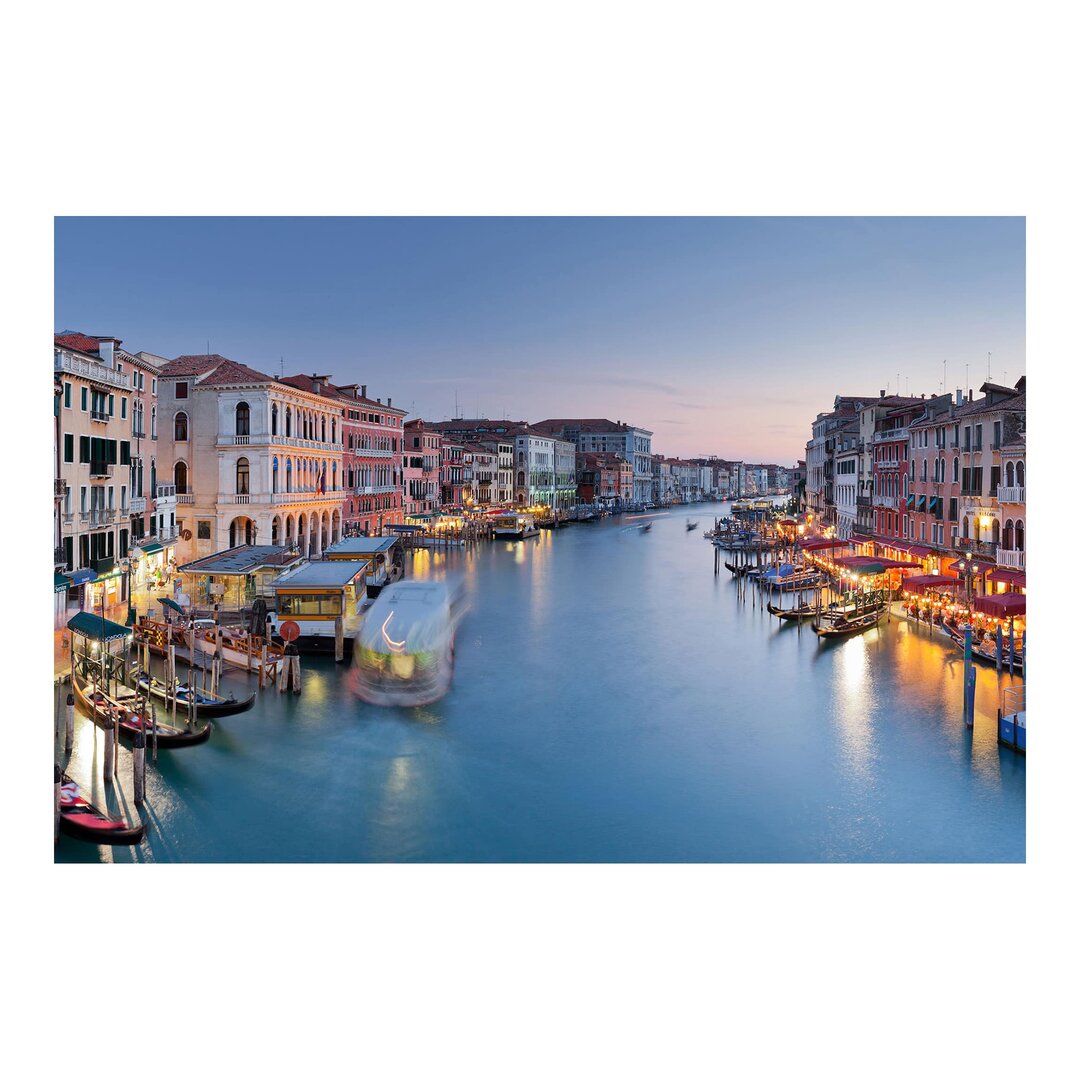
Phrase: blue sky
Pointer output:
(721, 335)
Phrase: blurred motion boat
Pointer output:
(403, 653)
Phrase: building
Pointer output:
(421, 469)
(92, 531)
(452, 472)
(819, 496)
(607, 436)
(251, 456)
(605, 478)
(847, 468)
(1012, 501)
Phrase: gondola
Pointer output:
(805, 611)
(691, 526)
(209, 704)
(845, 625)
(169, 737)
(84, 821)
(738, 571)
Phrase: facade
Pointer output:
(1012, 500)
(607, 436)
(92, 533)
(819, 495)
(251, 457)
(452, 472)
(421, 469)
(606, 478)
(847, 469)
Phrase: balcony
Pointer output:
(863, 500)
(986, 549)
(892, 435)
(59, 557)
(59, 488)
(87, 369)
(186, 498)
(887, 466)
(165, 493)
(97, 518)
(100, 415)
(241, 499)
(167, 534)
(137, 504)
(100, 470)
(1010, 494)
(1014, 560)
(887, 502)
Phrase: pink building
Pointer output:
(421, 467)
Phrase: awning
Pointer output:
(920, 505)
(96, 628)
(151, 549)
(922, 582)
(172, 604)
(61, 582)
(80, 577)
(815, 545)
(1004, 605)
(1012, 577)
(986, 564)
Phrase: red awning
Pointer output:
(855, 562)
(923, 582)
(1012, 577)
(814, 545)
(1003, 605)
(982, 565)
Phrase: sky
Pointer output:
(722, 336)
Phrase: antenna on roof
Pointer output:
(988, 375)
(281, 365)
(945, 376)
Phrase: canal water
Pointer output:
(613, 701)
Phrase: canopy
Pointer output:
(922, 582)
(867, 564)
(814, 545)
(61, 582)
(164, 600)
(80, 577)
(905, 545)
(1004, 605)
(151, 549)
(972, 562)
(1013, 577)
(96, 628)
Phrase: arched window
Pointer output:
(333, 430)
(243, 473)
(521, 479)
(273, 419)
(1009, 474)
(956, 470)
(179, 476)
(180, 427)
(995, 533)
(967, 534)
(1019, 536)
(1007, 542)
(153, 479)
(333, 477)
(274, 488)
(153, 421)
(1019, 474)
(288, 472)
(324, 429)
(924, 469)
(243, 419)
(288, 422)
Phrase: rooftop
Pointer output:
(360, 545)
(242, 560)
(327, 573)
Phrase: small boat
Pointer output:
(804, 611)
(738, 571)
(209, 704)
(84, 821)
(849, 624)
(646, 528)
(691, 526)
(169, 736)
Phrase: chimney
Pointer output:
(389, 402)
(959, 397)
(881, 392)
(363, 389)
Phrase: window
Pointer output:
(997, 435)
(83, 398)
(203, 528)
(67, 395)
(953, 509)
(1020, 474)
(123, 408)
(112, 404)
(69, 448)
(273, 419)
(995, 479)
(1009, 474)
(978, 436)
(181, 390)
(180, 478)
(153, 422)
(84, 449)
(242, 476)
(1019, 536)
(243, 419)
(180, 427)
(955, 470)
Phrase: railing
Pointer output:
(976, 547)
(89, 370)
(892, 435)
(100, 415)
(98, 517)
(1011, 558)
(863, 500)
(241, 498)
(283, 498)
(887, 465)
(185, 498)
(304, 444)
(889, 502)
(241, 440)
(170, 532)
(69, 517)
(59, 557)
(59, 488)
(1010, 494)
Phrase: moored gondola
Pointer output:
(804, 611)
(738, 571)
(209, 704)
(104, 707)
(82, 820)
(849, 624)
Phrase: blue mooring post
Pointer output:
(971, 698)
(969, 718)
(1000, 640)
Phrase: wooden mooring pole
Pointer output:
(69, 724)
(138, 767)
(109, 750)
(56, 803)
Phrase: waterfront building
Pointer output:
(236, 577)
(847, 467)
(452, 470)
(92, 429)
(819, 499)
(607, 436)
(955, 471)
(422, 459)
(251, 456)
(1012, 501)
(372, 451)
(606, 478)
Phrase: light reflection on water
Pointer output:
(612, 701)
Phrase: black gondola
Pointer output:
(82, 820)
(849, 624)
(805, 611)
(691, 526)
(738, 571)
(208, 704)
(169, 737)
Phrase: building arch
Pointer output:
(180, 477)
(273, 418)
(1019, 536)
(1020, 474)
(180, 427)
(274, 477)
(241, 531)
(1007, 539)
(243, 418)
(995, 531)
(275, 530)
(1009, 474)
(243, 476)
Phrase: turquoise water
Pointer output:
(612, 701)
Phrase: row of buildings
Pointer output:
(188, 456)
(931, 476)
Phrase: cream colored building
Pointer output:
(254, 460)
